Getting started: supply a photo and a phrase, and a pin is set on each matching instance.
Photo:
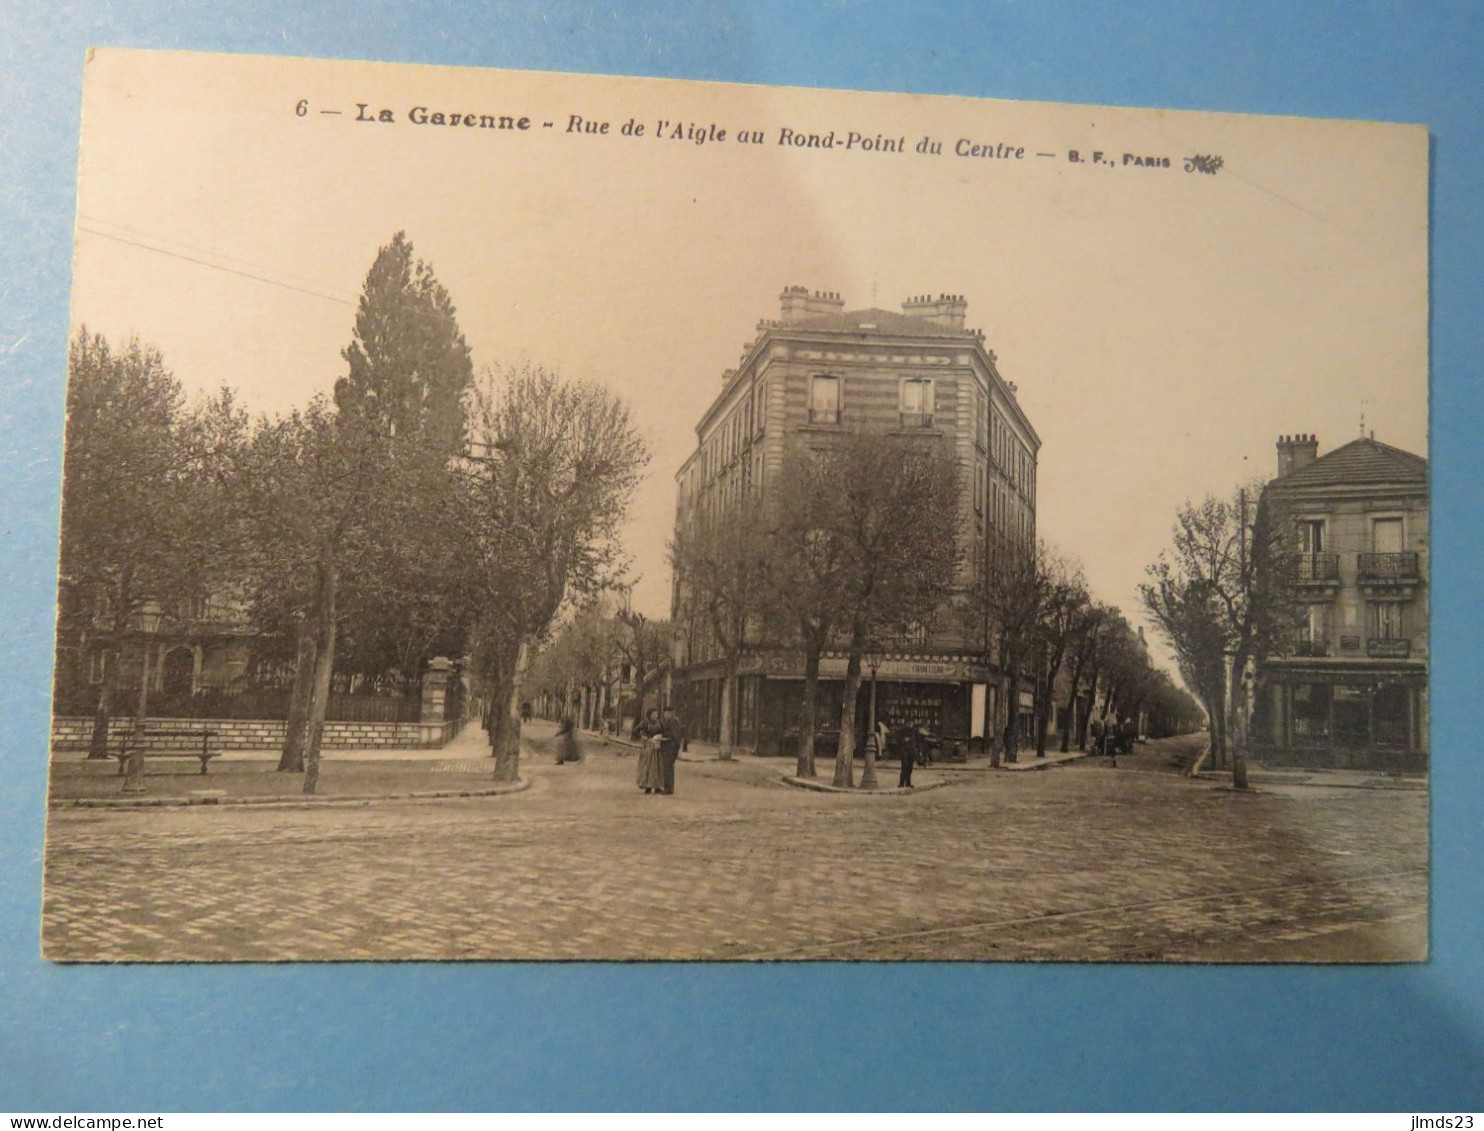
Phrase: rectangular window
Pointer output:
(979, 487)
(1387, 622)
(1311, 536)
(1386, 536)
(824, 400)
(917, 402)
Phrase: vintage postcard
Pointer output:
(518, 516)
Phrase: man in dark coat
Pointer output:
(909, 743)
(672, 734)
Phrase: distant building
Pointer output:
(819, 369)
(1351, 690)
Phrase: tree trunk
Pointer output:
(1043, 711)
(728, 700)
(1070, 723)
(845, 755)
(1092, 708)
(805, 768)
(993, 740)
(1237, 707)
(324, 668)
(98, 743)
(1012, 711)
(507, 749)
(291, 760)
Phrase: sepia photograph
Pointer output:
(532, 516)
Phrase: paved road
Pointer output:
(1069, 863)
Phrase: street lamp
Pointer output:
(873, 661)
(147, 620)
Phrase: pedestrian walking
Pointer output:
(566, 742)
(649, 773)
(672, 734)
(1096, 730)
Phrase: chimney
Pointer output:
(796, 303)
(945, 310)
(1296, 451)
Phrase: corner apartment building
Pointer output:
(819, 369)
(1351, 690)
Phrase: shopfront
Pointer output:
(1357, 719)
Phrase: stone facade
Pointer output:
(819, 369)
(1350, 690)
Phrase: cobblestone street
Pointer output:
(1077, 862)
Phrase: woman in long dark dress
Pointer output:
(566, 742)
(650, 771)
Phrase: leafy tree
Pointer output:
(137, 499)
(354, 507)
(410, 366)
(554, 466)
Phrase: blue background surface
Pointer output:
(946, 1037)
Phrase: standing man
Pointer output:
(672, 734)
(908, 742)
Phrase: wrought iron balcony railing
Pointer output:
(1388, 648)
(824, 416)
(1388, 567)
(1315, 567)
(917, 420)
(1312, 646)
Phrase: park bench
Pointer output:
(131, 740)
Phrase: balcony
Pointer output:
(1400, 568)
(824, 416)
(1315, 569)
(917, 419)
(1388, 648)
(1312, 646)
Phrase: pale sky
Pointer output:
(1163, 327)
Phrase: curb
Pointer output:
(1036, 764)
(312, 802)
(823, 787)
(1314, 785)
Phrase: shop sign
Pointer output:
(833, 667)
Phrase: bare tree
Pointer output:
(721, 563)
(553, 466)
(1089, 630)
(1222, 595)
(1064, 602)
(1009, 599)
(863, 539)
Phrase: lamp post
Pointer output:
(873, 661)
(147, 620)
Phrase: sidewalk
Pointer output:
(699, 750)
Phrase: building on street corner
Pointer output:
(1351, 690)
(818, 370)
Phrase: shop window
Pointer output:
(1311, 710)
(1392, 716)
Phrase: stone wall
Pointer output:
(265, 734)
